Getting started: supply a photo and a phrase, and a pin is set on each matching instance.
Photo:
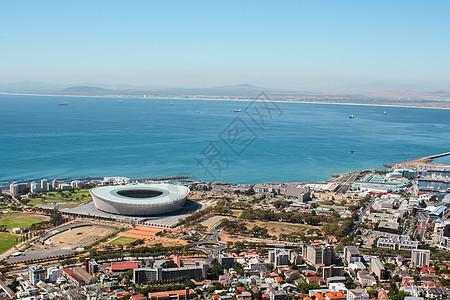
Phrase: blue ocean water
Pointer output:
(141, 138)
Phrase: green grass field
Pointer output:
(19, 220)
(123, 241)
(7, 241)
(61, 196)
(292, 225)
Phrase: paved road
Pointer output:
(422, 221)
(364, 211)
(348, 183)
(211, 238)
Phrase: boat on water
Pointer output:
(238, 110)
(120, 101)
(385, 112)
(352, 116)
(211, 154)
(63, 103)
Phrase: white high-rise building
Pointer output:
(53, 274)
(420, 257)
(76, 184)
(44, 184)
(16, 188)
(37, 273)
(55, 184)
(35, 187)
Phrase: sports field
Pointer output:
(61, 196)
(123, 241)
(7, 241)
(20, 220)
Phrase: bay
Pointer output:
(142, 138)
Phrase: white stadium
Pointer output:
(140, 199)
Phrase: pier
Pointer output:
(440, 179)
(163, 178)
(434, 190)
(422, 162)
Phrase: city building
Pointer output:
(55, 184)
(171, 295)
(366, 279)
(357, 294)
(226, 259)
(441, 231)
(76, 184)
(53, 274)
(16, 188)
(44, 184)
(142, 275)
(396, 243)
(420, 257)
(34, 187)
(335, 296)
(78, 276)
(278, 257)
(377, 267)
(332, 271)
(319, 254)
(303, 194)
(295, 258)
(351, 254)
(90, 266)
(37, 273)
(123, 266)
(64, 186)
(277, 295)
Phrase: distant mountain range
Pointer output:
(440, 98)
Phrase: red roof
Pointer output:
(336, 295)
(122, 266)
(73, 275)
(240, 288)
(138, 297)
(279, 279)
(168, 293)
(319, 296)
(313, 279)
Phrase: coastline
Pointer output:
(243, 100)
(421, 161)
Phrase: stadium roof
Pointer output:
(141, 193)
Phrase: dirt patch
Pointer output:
(286, 228)
(148, 234)
(79, 237)
(210, 222)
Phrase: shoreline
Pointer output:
(238, 100)
(421, 161)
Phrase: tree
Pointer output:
(169, 264)
(373, 294)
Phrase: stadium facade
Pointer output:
(140, 199)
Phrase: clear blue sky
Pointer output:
(285, 44)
